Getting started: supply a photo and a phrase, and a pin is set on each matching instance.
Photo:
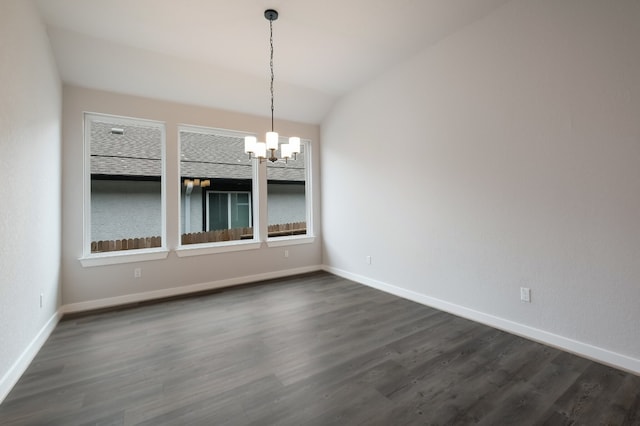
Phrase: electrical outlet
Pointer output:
(368, 259)
(137, 272)
(286, 253)
(525, 295)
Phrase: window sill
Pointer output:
(289, 241)
(127, 256)
(203, 249)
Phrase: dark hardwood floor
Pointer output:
(307, 350)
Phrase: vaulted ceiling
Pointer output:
(216, 52)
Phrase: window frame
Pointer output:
(198, 249)
(88, 258)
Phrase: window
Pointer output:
(124, 198)
(228, 210)
(216, 180)
(125, 192)
(288, 201)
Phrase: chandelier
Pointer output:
(257, 149)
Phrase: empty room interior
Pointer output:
(338, 212)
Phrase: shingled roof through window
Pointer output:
(138, 152)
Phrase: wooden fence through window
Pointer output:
(285, 229)
(215, 236)
(279, 230)
(125, 244)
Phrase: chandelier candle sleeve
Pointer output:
(272, 140)
(285, 151)
(295, 144)
(260, 151)
(250, 144)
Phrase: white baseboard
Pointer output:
(177, 291)
(604, 356)
(18, 368)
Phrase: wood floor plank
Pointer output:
(313, 349)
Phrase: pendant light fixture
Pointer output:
(257, 149)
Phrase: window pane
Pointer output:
(240, 210)
(216, 180)
(218, 211)
(286, 196)
(126, 183)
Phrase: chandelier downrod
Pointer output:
(271, 15)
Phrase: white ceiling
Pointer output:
(216, 52)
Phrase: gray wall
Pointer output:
(517, 166)
(286, 203)
(30, 195)
(131, 209)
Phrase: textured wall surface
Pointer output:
(30, 115)
(514, 163)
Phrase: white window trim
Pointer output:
(309, 237)
(185, 250)
(213, 248)
(290, 240)
(124, 256)
(89, 259)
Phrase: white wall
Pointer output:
(507, 155)
(30, 109)
(92, 286)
